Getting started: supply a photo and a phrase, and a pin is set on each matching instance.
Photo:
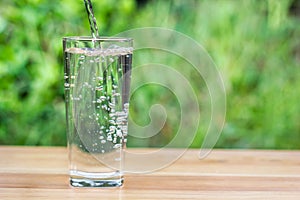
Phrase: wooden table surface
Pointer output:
(42, 173)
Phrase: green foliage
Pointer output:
(255, 44)
(31, 70)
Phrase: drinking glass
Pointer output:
(96, 82)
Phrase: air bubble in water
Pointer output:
(116, 146)
(119, 133)
(102, 98)
(111, 121)
(116, 94)
(104, 107)
(97, 60)
(100, 88)
(109, 138)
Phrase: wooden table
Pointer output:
(41, 173)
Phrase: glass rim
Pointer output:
(101, 39)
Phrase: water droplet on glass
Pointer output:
(103, 141)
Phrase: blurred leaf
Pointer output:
(255, 44)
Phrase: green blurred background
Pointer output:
(254, 43)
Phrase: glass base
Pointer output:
(84, 179)
(75, 182)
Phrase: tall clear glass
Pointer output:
(97, 79)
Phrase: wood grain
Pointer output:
(42, 173)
